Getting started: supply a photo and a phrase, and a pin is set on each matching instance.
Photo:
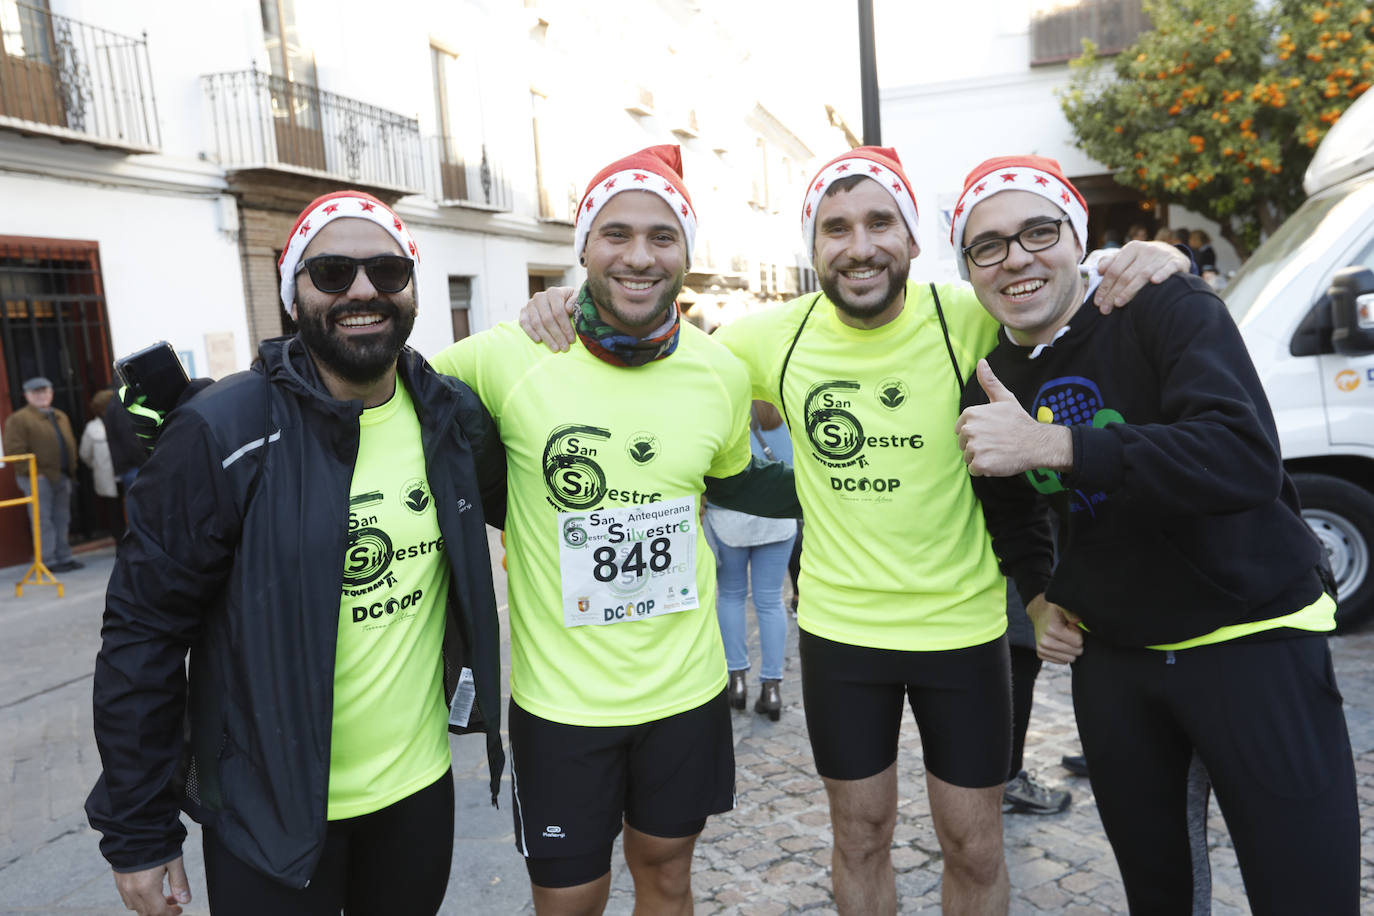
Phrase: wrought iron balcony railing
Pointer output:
(458, 180)
(260, 121)
(64, 78)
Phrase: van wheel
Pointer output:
(1341, 515)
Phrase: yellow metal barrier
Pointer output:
(38, 574)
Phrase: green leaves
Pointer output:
(1221, 106)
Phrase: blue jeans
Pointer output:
(768, 564)
(55, 513)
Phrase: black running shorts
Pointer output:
(961, 699)
(573, 785)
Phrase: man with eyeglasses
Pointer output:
(313, 531)
(1189, 593)
(902, 597)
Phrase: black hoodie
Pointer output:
(1178, 517)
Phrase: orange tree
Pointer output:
(1220, 107)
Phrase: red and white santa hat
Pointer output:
(1037, 174)
(324, 210)
(656, 169)
(879, 163)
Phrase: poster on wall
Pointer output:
(219, 354)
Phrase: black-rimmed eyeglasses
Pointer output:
(991, 251)
(334, 273)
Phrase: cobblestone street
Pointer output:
(771, 855)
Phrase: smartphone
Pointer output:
(155, 373)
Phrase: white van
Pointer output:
(1313, 345)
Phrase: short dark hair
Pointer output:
(846, 183)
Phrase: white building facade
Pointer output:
(153, 156)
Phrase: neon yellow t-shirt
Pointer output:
(390, 731)
(612, 585)
(897, 555)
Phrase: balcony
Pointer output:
(261, 123)
(77, 83)
(1057, 32)
(455, 180)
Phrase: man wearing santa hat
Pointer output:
(313, 531)
(1189, 593)
(618, 716)
(902, 597)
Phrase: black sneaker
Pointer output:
(1025, 795)
(1076, 764)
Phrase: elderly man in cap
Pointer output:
(45, 431)
(313, 531)
(1188, 592)
(902, 598)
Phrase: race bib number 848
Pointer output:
(628, 563)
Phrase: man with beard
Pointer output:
(618, 713)
(313, 531)
(902, 594)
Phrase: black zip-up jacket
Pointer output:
(235, 552)
(1178, 517)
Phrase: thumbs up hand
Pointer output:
(999, 439)
(992, 386)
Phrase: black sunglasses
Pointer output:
(334, 273)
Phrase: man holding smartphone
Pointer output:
(312, 530)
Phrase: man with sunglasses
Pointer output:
(903, 600)
(1188, 593)
(313, 531)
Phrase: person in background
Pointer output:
(1205, 255)
(43, 430)
(95, 454)
(127, 451)
(751, 555)
(1137, 233)
(1024, 794)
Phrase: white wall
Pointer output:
(168, 272)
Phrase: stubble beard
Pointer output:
(897, 275)
(604, 300)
